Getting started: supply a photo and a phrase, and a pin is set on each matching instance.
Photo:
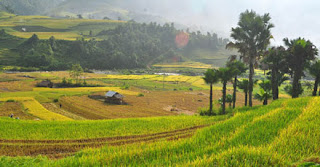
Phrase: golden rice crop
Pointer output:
(34, 108)
(195, 65)
(86, 89)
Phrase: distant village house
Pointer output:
(45, 83)
(114, 98)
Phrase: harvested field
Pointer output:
(63, 148)
(151, 104)
(15, 108)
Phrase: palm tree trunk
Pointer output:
(246, 99)
(274, 82)
(315, 89)
(295, 84)
(265, 102)
(211, 99)
(234, 98)
(251, 82)
(224, 95)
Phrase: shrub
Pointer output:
(10, 101)
(140, 95)
(56, 100)
(206, 112)
(125, 87)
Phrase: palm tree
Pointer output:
(225, 75)
(252, 36)
(243, 85)
(211, 77)
(300, 54)
(265, 92)
(275, 59)
(239, 68)
(314, 70)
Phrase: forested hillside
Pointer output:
(130, 45)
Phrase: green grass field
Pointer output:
(284, 133)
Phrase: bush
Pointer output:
(288, 89)
(56, 100)
(140, 95)
(10, 101)
(125, 87)
(206, 112)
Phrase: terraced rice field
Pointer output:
(34, 108)
(45, 27)
(284, 133)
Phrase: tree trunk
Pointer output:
(265, 102)
(210, 99)
(246, 99)
(275, 85)
(251, 82)
(295, 84)
(234, 98)
(224, 95)
(315, 89)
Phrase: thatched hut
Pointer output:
(45, 83)
(114, 98)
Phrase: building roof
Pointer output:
(111, 93)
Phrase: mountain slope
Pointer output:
(29, 7)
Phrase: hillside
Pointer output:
(281, 134)
(28, 7)
(102, 44)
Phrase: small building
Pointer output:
(45, 83)
(114, 98)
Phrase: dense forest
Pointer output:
(130, 45)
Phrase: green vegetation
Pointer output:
(267, 136)
(31, 130)
(109, 48)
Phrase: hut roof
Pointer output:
(114, 94)
(111, 93)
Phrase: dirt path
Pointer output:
(62, 148)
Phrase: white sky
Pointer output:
(292, 18)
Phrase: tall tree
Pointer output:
(275, 60)
(211, 77)
(243, 85)
(252, 35)
(76, 72)
(314, 70)
(300, 53)
(238, 68)
(265, 92)
(225, 75)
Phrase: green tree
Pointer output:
(300, 53)
(244, 86)
(211, 77)
(314, 70)
(225, 75)
(76, 72)
(238, 68)
(265, 92)
(275, 60)
(252, 36)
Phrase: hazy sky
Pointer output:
(292, 18)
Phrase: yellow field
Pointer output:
(34, 108)
(195, 65)
(71, 36)
(48, 22)
(86, 89)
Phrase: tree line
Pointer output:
(252, 40)
(128, 46)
